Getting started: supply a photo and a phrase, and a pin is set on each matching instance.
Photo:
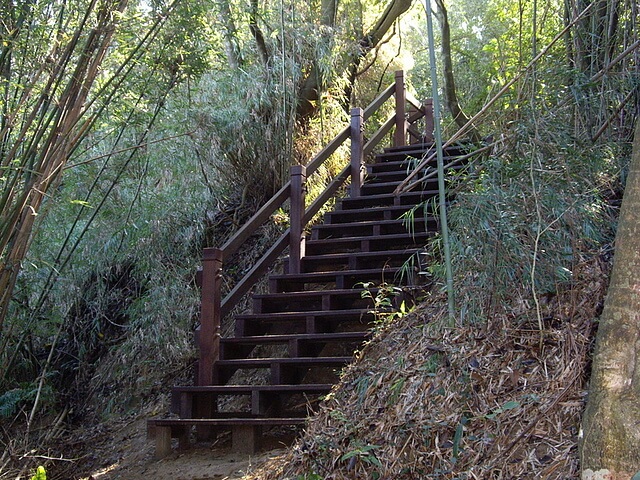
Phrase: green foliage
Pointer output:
(41, 474)
(364, 453)
(114, 266)
(187, 40)
(528, 218)
(250, 138)
(9, 401)
(309, 476)
(13, 400)
(396, 390)
(457, 438)
(510, 405)
(431, 365)
(382, 296)
(423, 262)
(105, 209)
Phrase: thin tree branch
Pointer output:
(490, 103)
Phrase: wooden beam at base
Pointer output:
(163, 441)
(245, 438)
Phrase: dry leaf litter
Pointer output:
(502, 400)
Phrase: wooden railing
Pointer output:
(213, 307)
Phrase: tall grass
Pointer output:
(532, 212)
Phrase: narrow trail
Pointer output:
(122, 452)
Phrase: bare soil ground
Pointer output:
(123, 452)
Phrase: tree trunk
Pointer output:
(328, 11)
(451, 96)
(611, 424)
(229, 34)
(596, 35)
(258, 36)
(310, 90)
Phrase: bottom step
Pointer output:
(221, 422)
(245, 432)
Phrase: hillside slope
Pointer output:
(501, 400)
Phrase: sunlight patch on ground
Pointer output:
(102, 472)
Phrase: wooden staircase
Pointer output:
(286, 354)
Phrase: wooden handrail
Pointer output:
(328, 193)
(411, 100)
(213, 307)
(253, 275)
(296, 214)
(235, 242)
(379, 101)
(377, 137)
(357, 151)
(400, 135)
(327, 151)
(209, 334)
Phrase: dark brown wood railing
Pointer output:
(213, 307)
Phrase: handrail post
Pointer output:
(296, 234)
(428, 120)
(209, 335)
(357, 151)
(400, 137)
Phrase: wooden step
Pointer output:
(343, 279)
(387, 182)
(282, 370)
(185, 399)
(292, 362)
(419, 150)
(389, 187)
(411, 147)
(406, 165)
(298, 345)
(387, 199)
(394, 177)
(396, 156)
(245, 431)
(249, 389)
(326, 321)
(312, 300)
(357, 298)
(367, 243)
(416, 144)
(160, 422)
(373, 228)
(283, 339)
(357, 260)
(371, 214)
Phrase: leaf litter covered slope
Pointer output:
(501, 400)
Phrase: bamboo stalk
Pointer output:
(606, 124)
(42, 164)
(442, 195)
(493, 100)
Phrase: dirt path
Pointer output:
(123, 452)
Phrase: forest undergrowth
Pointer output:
(499, 393)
